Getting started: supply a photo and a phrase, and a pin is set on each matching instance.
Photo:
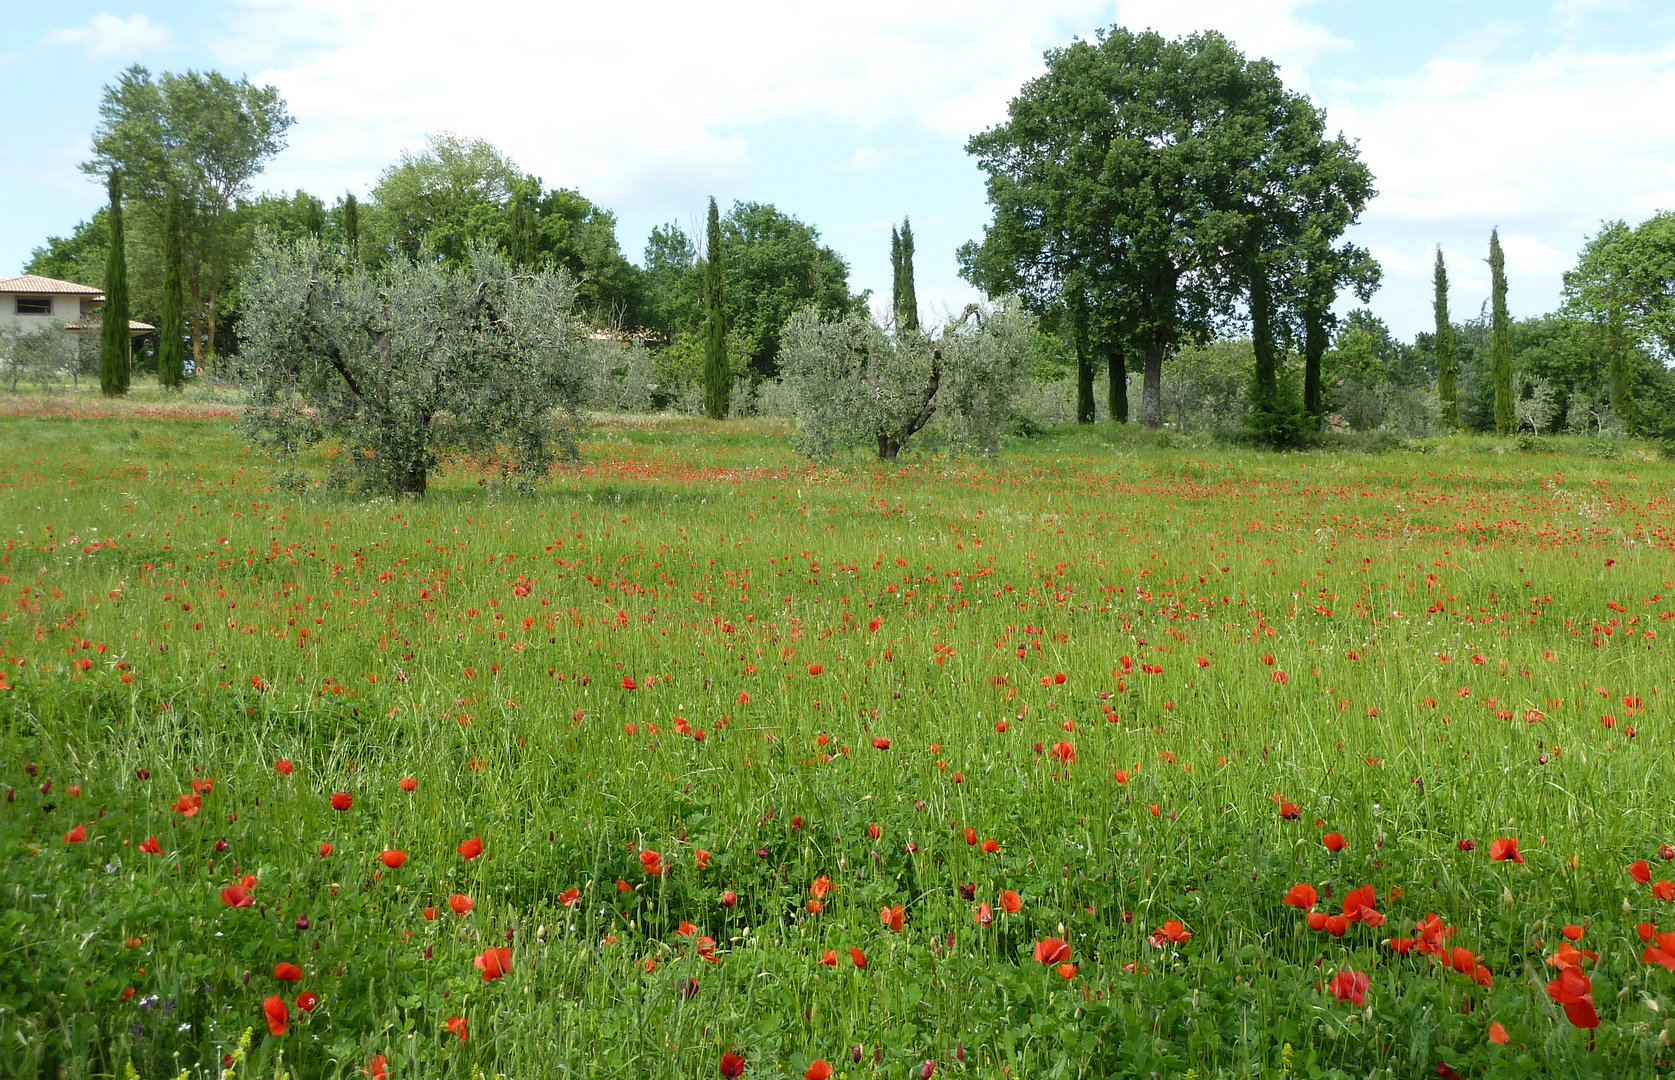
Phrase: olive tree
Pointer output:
(854, 384)
(400, 365)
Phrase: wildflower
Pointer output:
(493, 963)
(818, 1069)
(278, 1014)
(1498, 1035)
(325, 849)
(287, 972)
(570, 897)
(151, 847)
(307, 1000)
(1010, 901)
(237, 896)
(1064, 752)
(342, 800)
(892, 916)
(652, 862)
(283, 767)
(472, 847)
(1573, 990)
(985, 914)
(991, 845)
(1663, 890)
(1505, 849)
(857, 957)
(1334, 842)
(880, 743)
(815, 669)
(1350, 986)
(455, 1026)
(407, 783)
(393, 858)
(460, 903)
(732, 1065)
(829, 959)
(701, 857)
(1640, 871)
(76, 835)
(187, 805)
(1172, 931)
(1052, 951)
(375, 1067)
(822, 885)
(1301, 896)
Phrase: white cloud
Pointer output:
(107, 36)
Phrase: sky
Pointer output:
(1543, 118)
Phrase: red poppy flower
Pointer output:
(991, 845)
(1121, 776)
(857, 957)
(1334, 842)
(984, 914)
(822, 885)
(628, 683)
(569, 897)
(1067, 971)
(732, 1065)
(1011, 901)
(285, 971)
(880, 743)
(1572, 989)
(1173, 930)
(1640, 871)
(393, 858)
(1301, 896)
(455, 1026)
(1290, 811)
(1350, 986)
(1498, 1035)
(818, 1069)
(278, 1014)
(1317, 920)
(472, 847)
(237, 896)
(307, 1000)
(187, 805)
(493, 963)
(76, 835)
(815, 669)
(342, 800)
(1052, 951)
(1663, 890)
(325, 849)
(375, 1067)
(1663, 952)
(151, 847)
(829, 959)
(1505, 849)
(407, 783)
(892, 916)
(686, 929)
(728, 898)
(1064, 752)
(430, 914)
(652, 862)
(460, 903)
(1358, 902)
(283, 767)
(701, 857)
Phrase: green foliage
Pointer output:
(1444, 348)
(775, 266)
(1500, 339)
(904, 297)
(718, 382)
(1624, 284)
(114, 342)
(171, 331)
(855, 385)
(399, 366)
(195, 140)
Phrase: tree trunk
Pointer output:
(1314, 347)
(1151, 391)
(1116, 383)
(412, 482)
(1084, 357)
(1266, 396)
(888, 447)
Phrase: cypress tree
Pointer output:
(171, 346)
(113, 319)
(895, 276)
(352, 226)
(1500, 339)
(1445, 348)
(906, 298)
(525, 247)
(718, 381)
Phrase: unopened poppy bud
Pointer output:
(30, 768)
(221, 845)
(247, 977)
(302, 922)
(428, 950)
(855, 1053)
(926, 1070)
(728, 898)
(959, 1051)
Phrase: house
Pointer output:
(29, 303)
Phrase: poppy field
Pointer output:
(1105, 758)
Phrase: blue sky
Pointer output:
(1542, 117)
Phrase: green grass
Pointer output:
(169, 615)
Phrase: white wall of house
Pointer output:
(65, 309)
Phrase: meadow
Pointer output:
(1105, 758)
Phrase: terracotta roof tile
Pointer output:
(42, 286)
